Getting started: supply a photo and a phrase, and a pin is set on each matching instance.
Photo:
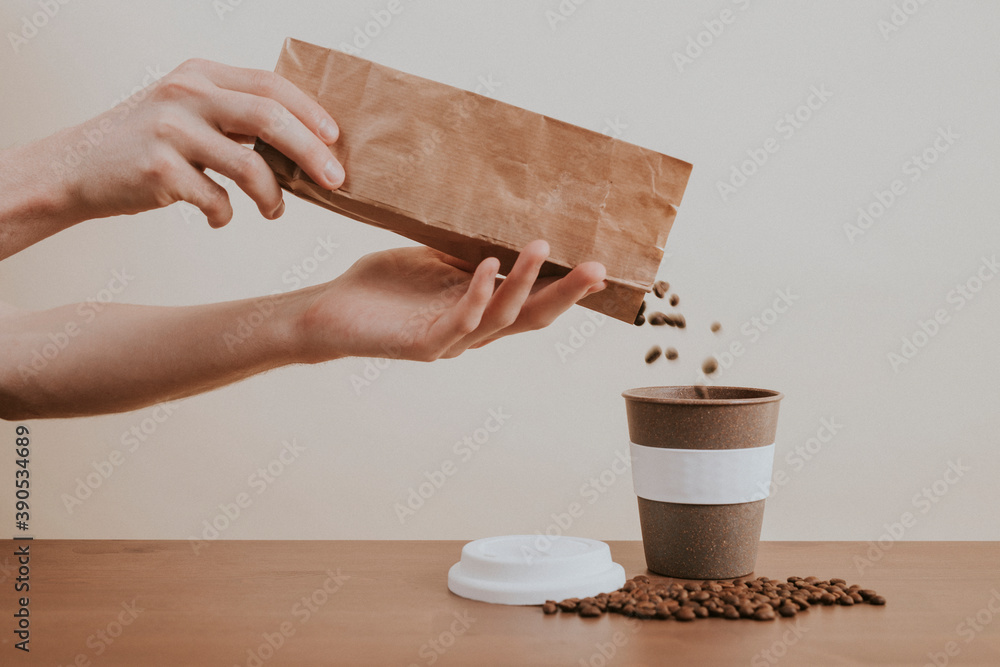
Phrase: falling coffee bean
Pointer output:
(716, 327)
(639, 320)
(653, 354)
(660, 288)
(671, 353)
(709, 366)
(680, 322)
(642, 308)
(674, 299)
(657, 319)
(701, 391)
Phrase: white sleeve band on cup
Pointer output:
(702, 476)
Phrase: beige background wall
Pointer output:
(609, 66)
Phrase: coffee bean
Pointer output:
(709, 366)
(764, 614)
(642, 308)
(716, 327)
(663, 610)
(684, 614)
(657, 319)
(674, 299)
(701, 391)
(680, 322)
(639, 320)
(653, 354)
(660, 288)
(761, 599)
(671, 353)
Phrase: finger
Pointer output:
(517, 328)
(555, 298)
(208, 149)
(453, 261)
(268, 84)
(242, 138)
(505, 306)
(198, 189)
(241, 113)
(463, 318)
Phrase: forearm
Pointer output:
(72, 361)
(36, 200)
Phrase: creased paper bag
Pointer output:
(475, 177)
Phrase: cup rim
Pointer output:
(645, 395)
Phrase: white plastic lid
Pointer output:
(530, 569)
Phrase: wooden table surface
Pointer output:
(255, 603)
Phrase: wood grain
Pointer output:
(388, 604)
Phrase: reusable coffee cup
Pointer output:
(702, 470)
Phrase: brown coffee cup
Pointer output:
(702, 469)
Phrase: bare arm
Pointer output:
(410, 303)
(72, 361)
(34, 201)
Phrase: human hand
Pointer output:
(152, 149)
(420, 304)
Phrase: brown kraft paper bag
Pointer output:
(475, 177)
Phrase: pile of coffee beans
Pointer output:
(759, 599)
(661, 289)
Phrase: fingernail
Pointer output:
(596, 287)
(334, 174)
(327, 132)
(276, 213)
